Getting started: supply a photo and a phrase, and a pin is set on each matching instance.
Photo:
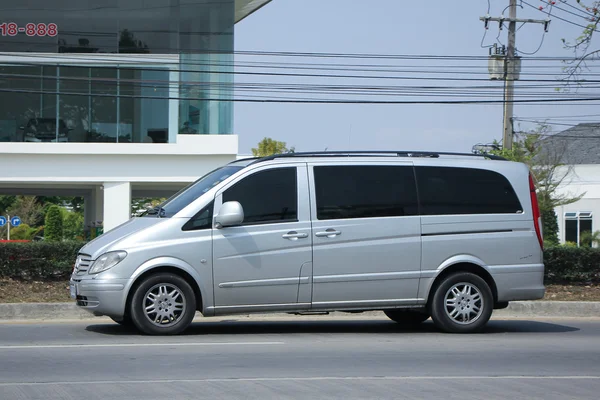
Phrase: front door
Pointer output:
(263, 263)
(367, 235)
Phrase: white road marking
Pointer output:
(108, 345)
(313, 378)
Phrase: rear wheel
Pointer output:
(407, 316)
(163, 304)
(461, 303)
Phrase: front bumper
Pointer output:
(100, 297)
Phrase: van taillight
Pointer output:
(537, 217)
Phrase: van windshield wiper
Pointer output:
(158, 211)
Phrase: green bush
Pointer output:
(550, 227)
(38, 260)
(54, 224)
(568, 264)
(23, 232)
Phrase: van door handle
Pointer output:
(295, 235)
(328, 233)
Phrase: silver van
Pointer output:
(416, 235)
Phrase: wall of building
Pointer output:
(106, 174)
(583, 180)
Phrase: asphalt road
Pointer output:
(300, 359)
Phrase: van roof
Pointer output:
(362, 154)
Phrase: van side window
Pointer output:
(202, 220)
(267, 196)
(365, 191)
(453, 190)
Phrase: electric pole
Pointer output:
(509, 82)
(511, 66)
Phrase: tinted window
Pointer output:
(202, 220)
(365, 192)
(445, 190)
(267, 196)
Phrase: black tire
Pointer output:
(407, 316)
(171, 320)
(471, 315)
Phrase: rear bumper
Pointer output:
(102, 297)
(519, 282)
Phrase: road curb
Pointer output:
(551, 309)
(517, 309)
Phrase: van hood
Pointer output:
(105, 242)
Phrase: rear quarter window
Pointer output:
(453, 190)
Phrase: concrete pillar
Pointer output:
(98, 201)
(117, 204)
(88, 207)
(94, 207)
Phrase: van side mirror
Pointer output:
(230, 214)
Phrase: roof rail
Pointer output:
(401, 153)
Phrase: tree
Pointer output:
(28, 209)
(550, 227)
(589, 13)
(268, 147)
(544, 159)
(6, 202)
(53, 230)
(72, 225)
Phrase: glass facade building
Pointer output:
(126, 71)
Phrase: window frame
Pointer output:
(577, 216)
(218, 202)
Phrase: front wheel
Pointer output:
(163, 304)
(461, 303)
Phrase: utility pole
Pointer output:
(509, 82)
(511, 68)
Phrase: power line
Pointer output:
(560, 18)
(254, 53)
(557, 135)
(307, 101)
(566, 116)
(580, 9)
(546, 122)
(323, 75)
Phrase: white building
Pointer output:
(581, 153)
(131, 105)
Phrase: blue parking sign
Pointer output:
(2, 221)
(15, 221)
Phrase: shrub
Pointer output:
(38, 260)
(54, 224)
(567, 264)
(72, 225)
(23, 232)
(550, 227)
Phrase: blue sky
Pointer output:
(389, 27)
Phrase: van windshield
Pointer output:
(190, 193)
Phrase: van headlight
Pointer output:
(107, 261)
